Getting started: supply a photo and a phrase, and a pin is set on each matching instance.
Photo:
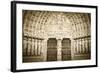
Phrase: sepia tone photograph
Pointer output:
(49, 36)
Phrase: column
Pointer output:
(24, 45)
(89, 44)
(41, 50)
(72, 48)
(86, 47)
(32, 46)
(83, 45)
(26, 52)
(35, 46)
(80, 47)
(89, 47)
(59, 46)
(44, 49)
(41, 53)
(29, 47)
(75, 46)
(39, 47)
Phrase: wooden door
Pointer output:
(52, 49)
(66, 49)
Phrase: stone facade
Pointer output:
(56, 36)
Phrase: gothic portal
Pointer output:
(56, 36)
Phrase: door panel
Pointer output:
(66, 49)
(52, 49)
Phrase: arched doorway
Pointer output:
(66, 49)
(52, 49)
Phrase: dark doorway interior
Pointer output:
(66, 49)
(52, 49)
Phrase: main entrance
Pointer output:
(66, 49)
(52, 49)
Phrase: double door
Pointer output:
(52, 49)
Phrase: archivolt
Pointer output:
(76, 24)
